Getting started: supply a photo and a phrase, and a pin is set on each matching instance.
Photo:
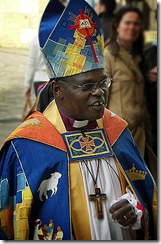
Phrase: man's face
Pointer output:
(64, 2)
(79, 103)
(98, 7)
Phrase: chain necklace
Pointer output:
(98, 196)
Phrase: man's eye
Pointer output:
(87, 86)
(103, 82)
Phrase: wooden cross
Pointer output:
(98, 197)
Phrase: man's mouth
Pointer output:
(101, 103)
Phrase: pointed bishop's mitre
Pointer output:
(71, 38)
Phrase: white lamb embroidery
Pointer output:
(49, 184)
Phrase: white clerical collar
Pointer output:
(80, 124)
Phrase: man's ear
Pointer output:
(57, 91)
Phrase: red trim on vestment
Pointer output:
(113, 125)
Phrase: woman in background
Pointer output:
(124, 63)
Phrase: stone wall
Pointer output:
(19, 21)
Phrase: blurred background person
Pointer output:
(124, 63)
(64, 2)
(105, 10)
(36, 71)
(45, 91)
(46, 96)
(150, 53)
(36, 75)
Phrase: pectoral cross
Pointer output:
(98, 197)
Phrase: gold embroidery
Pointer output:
(135, 174)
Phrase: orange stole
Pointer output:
(113, 126)
(36, 127)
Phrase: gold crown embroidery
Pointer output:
(135, 174)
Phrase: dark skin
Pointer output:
(121, 208)
(85, 105)
(77, 104)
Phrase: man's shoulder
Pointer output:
(108, 53)
(107, 49)
(36, 127)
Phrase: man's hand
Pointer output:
(27, 92)
(124, 213)
(152, 76)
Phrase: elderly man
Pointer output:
(76, 163)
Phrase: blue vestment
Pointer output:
(34, 172)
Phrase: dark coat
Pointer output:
(150, 54)
(106, 21)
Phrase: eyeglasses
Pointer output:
(91, 87)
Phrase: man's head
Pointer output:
(72, 42)
(82, 96)
(104, 6)
(64, 2)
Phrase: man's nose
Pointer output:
(98, 91)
